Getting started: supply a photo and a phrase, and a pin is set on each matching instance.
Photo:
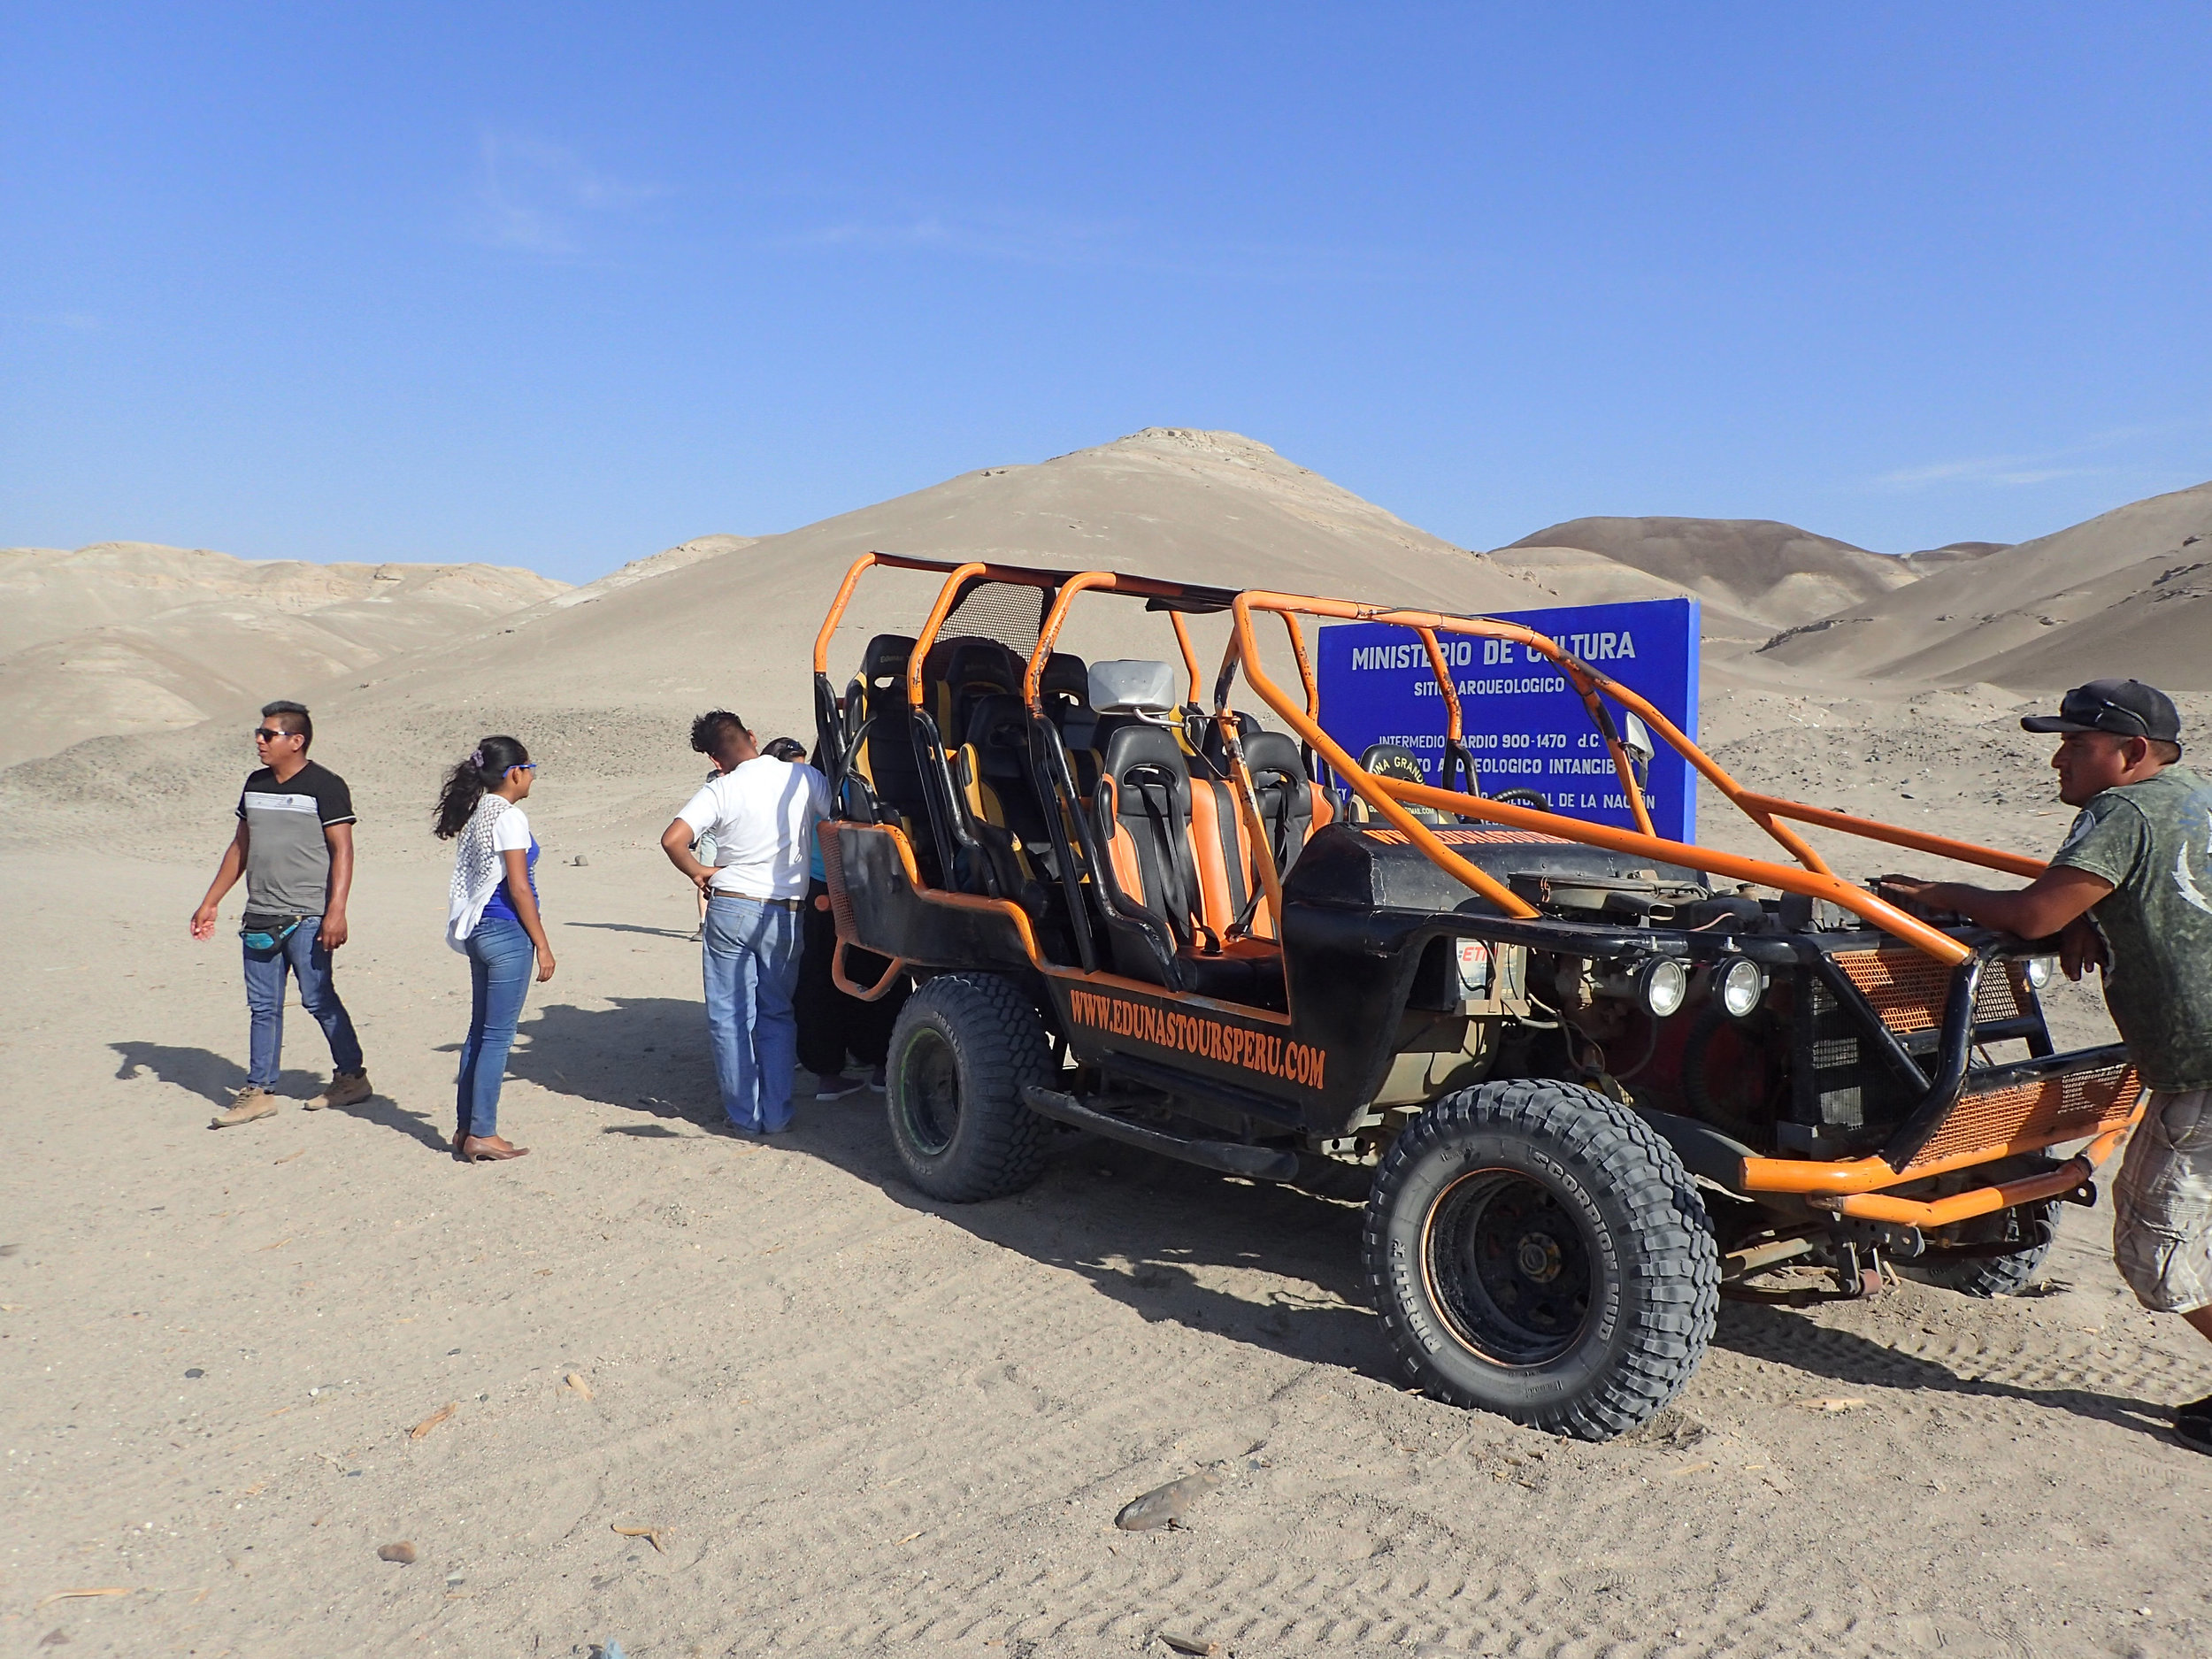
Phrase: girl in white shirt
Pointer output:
(494, 920)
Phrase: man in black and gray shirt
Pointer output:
(294, 847)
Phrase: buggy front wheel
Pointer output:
(1537, 1249)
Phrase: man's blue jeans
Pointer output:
(501, 960)
(751, 967)
(304, 956)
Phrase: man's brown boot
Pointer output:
(253, 1101)
(346, 1088)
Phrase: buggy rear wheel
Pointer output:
(962, 1050)
(1536, 1250)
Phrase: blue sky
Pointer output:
(560, 285)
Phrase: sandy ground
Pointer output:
(859, 1422)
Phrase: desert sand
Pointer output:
(819, 1414)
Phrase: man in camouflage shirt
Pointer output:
(2129, 890)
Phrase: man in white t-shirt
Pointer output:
(761, 814)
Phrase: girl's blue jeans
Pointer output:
(500, 960)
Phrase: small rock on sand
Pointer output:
(575, 1380)
(402, 1552)
(1165, 1504)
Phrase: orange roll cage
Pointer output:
(1808, 873)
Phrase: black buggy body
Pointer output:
(1585, 1076)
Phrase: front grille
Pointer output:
(2040, 1112)
(1844, 1086)
(1908, 988)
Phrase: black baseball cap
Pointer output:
(2126, 708)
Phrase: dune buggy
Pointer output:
(1585, 1076)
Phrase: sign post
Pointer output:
(1524, 725)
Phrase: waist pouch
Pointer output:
(266, 932)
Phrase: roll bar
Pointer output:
(1809, 875)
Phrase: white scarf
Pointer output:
(477, 872)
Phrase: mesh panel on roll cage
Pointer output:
(1009, 612)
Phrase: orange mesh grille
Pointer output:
(1908, 988)
(2039, 1113)
(832, 844)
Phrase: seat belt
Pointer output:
(1175, 850)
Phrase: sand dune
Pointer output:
(602, 679)
(2122, 593)
(1209, 506)
(1751, 569)
(127, 636)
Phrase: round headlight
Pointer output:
(2039, 972)
(1741, 986)
(1661, 984)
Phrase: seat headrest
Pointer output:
(1388, 760)
(1144, 690)
(1064, 679)
(1272, 752)
(885, 659)
(998, 717)
(967, 660)
(1151, 753)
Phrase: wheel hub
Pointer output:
(1508, 1267)
(1539, 1257)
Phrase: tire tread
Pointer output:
(1670, 1254)
(1000, 1147)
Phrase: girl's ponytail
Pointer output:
(477, 774)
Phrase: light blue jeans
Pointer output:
(500, 960)
(301, 955)
(751, 967)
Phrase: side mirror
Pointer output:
(1636, 739)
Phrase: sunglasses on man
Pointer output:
(268, 735)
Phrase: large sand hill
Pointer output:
(1744, 571)
(2125, 592)
(860, 1423)
(127, 636)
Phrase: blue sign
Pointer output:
(1525, 726)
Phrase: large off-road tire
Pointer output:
(1537, 1250)
(1993, 1275)
(963, 1049)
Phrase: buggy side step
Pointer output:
(1230, 1157)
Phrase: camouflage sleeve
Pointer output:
(2111, 844)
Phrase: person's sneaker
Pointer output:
(878, 1079)
(836, 1086)
(347, 1088)
(252, 1102)
(2201, 1409)
(2195, 1433)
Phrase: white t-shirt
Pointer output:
(510, 833)
(762, 819)
(478, 868)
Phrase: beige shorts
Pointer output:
(2161, 1227)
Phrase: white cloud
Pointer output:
(537, 197)
(1117, 244)
(2073, 460)
(1994, 469)
(1026, 239)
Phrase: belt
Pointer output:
(782, 904)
